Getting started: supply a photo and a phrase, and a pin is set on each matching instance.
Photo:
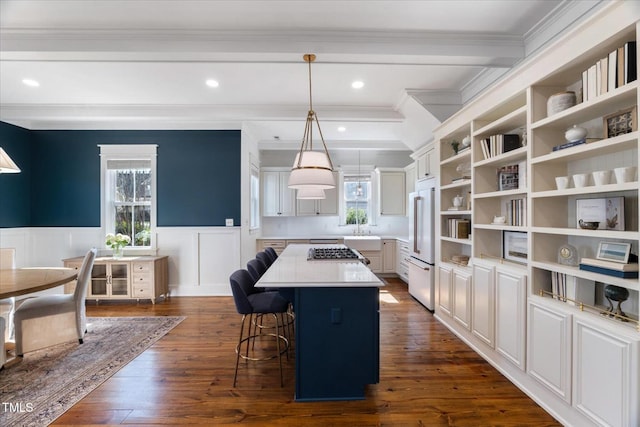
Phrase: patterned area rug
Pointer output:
(41, 387)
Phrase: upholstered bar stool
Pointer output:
(272, 253)
(250, 303)
(265, 258)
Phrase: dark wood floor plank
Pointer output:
(428, 377)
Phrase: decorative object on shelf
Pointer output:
(568, 255)
(499, 220)
(560, 102)
(608, 212)
(455, 145)
(311, 169)
(614, 251)
(562, 182)
(6, 164)
(575, 133)
(514, 246)
(457, 202)
(624, 174)
(588, 225)
(460, 259)
(618, 294)
(620, 123)
(580, 180)
(117, 243)
(466, 142)
(508, 177)
(601, 177)
(523, 136)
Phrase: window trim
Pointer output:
(128, 152)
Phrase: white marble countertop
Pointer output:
(292, 270)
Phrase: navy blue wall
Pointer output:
(15, 205)
(198, 176)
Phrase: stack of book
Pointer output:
(569, 144)
(614, 70)
(499, 144)
(559, 286)
(610, 268)
(459, 228)
(516, 212)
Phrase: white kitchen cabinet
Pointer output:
(392, 193)
(375, 260)
(326, 206)
(549, 349)
(483, 324)
(402, 260)
(462, 297)
(388, 255)
(445, 296)
(605, 374)
(510, 313)
(277, 198)
(427, 163)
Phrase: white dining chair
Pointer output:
(54, 319)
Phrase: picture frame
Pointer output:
(620, 123)
(608, 212)
(508, 178)
(614, 251)
(514, 246)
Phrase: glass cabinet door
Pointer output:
(119, 279)
(99, 280)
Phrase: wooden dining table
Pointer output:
(22, 281)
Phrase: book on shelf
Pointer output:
(632, 266)
(559, 285)
(516, 210)
(499, 144)
(459, 228)
(630, 68)
(569, 144)
(612, 75)
(616, 69)
(461, 178)
(464, 150)
(609, 271)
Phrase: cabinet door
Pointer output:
(462, 297)
(511, 295)
(444, 289)
(549, 349)
(483, 302)
(392, 193)
(388, 256)
(287, 195)
(306, 207)
(605, 372)
(329, 205)
(271, 193)
(119, 279)
(99, 281)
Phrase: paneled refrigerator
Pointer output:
(422, 242)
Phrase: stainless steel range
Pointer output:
(334, 254)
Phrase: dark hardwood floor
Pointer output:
(428, 377)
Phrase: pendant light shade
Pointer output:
(6, 164)
(311, 169)
(310, 194)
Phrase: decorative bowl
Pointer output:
(589, 225)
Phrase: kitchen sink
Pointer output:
(363, 243)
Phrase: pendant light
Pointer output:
(6, 164)
(310, 194)
(311, 169)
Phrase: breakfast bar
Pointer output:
(337, 307)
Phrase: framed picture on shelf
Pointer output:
(614, 251)
(619, 123)
(514, 246)
(607, 212)
(508, 178)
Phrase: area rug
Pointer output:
(46, 383)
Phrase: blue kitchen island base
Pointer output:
(337, 342)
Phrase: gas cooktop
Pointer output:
(333, 254)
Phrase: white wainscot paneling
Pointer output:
(200, 259)
(17, 238)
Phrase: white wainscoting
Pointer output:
(200, 258)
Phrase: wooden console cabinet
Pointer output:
(139, 277)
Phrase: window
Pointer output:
(255, 197)
(128, 192)
(357, 199)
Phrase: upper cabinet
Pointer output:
(326, 206)
(277, 198)
(426, 162)
(392, 190)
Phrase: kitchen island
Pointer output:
(337, 325)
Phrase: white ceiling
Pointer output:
(129, 64)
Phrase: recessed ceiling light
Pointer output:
(30, 82)
(358, 84)
(341, 128)
(212, 83)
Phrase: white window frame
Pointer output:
(355, 170)
(147, 152)
(254, 206)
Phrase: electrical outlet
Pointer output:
(229, 222)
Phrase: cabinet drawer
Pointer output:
(139, 278)
(140, 267)
(142, 290)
